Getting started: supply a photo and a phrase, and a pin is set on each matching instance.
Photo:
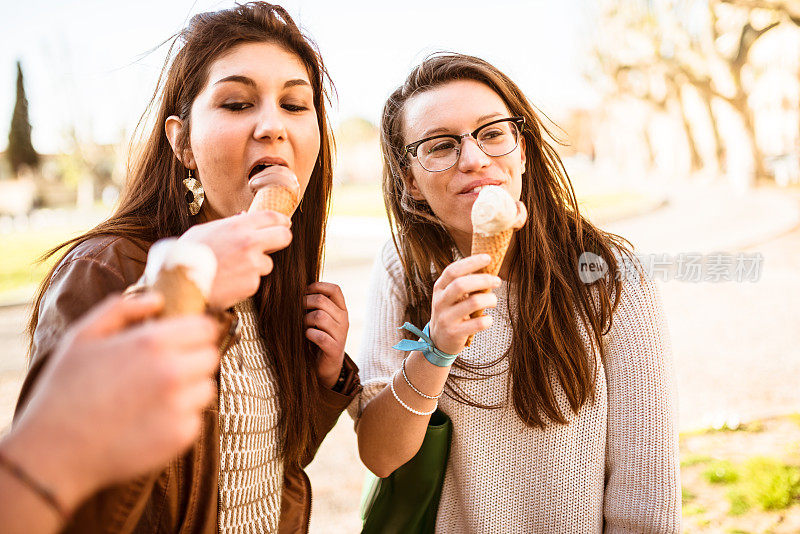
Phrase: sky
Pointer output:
(92, 65)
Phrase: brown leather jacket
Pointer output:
(183, 496)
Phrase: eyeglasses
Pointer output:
(440, 152)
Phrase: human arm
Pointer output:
(242, 244)
(642, 490)
(114, 401)
(388, 434)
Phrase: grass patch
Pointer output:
(760, 482)
(738, 501)
(773, 485)
(694, 509)
(687, 495)
(721, 472)
(19, 266)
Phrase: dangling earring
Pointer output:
(194, 194)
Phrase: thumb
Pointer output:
(117, 312)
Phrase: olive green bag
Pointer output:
(407, 500)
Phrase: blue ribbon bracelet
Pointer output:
(425, 346)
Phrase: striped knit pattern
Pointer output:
(251, 471)
(612, 469)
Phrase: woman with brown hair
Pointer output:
(241, 107)
(562, 406)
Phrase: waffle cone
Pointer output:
(275, 198)
(181, 294)
(494, 245)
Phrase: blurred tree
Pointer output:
(20, 150)
(701, 44)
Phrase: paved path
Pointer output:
(736, 345)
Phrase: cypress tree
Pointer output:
(20, 149)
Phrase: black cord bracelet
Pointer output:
(42, 491)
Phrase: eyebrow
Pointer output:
(238, 78)
(441, 129)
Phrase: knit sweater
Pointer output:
(251, 470)
(613, 468)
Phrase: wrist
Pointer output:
(445, 347)
(51, 465)
(426, 346)
(334, 378)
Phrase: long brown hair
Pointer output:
(546, 349)
(153, 205)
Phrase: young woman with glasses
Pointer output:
(562, 405)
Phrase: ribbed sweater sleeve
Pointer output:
(642, 490)
(377, 360)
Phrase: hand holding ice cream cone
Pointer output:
(495, 218)
(183, 272)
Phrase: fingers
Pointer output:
(272, 239)
(323, 340)
(332, 291)
(264, 219)
(325, 305)
(461, 267)
(178, 333)
(323, 321)
(264, 264)
(197, 365)
(459, 288)
(117, 312)
(472, 326)
(465, 308)
(198, 395)
(522, 216)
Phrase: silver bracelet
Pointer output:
(403, 404)
(418, 392)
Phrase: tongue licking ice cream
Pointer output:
(183, 272)
(493, 215)
(277, 197)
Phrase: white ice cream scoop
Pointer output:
(494, 211)
(196, 260)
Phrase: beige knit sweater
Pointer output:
(251, 471)
(614, 468)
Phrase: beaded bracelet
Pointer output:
(418, 392)
(38, 488)
(403, 404)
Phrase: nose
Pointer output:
(270, 125)
(472, 157)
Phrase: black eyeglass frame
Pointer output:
(411, 149)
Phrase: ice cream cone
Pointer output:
(495, 246)
(181, 294)
(275, 198)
